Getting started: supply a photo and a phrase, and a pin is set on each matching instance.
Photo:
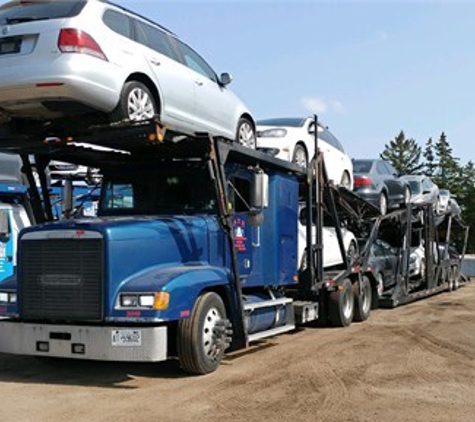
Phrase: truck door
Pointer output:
(246, 237)
(7, 243)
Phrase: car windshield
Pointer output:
(291, 122)
(170, 189)
(362, 166)
(16, 12)
(415, 187)
(443, 192)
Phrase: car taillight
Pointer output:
(362, 181)
(77, 41)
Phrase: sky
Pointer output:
(368, 69)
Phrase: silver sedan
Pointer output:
(62, 58)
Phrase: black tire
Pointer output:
(383, 203)
(300, 156)
(195, 355)
(341, 305)
(346, 181)
(363, 299)
(124, 110)
(246, 133)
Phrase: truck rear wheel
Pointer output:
(341, 305)
(202, 338)
(363, 299)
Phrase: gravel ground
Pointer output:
(414, 363)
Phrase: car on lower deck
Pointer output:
(378, 182)
(293, 139)
(383, 260)
(66, 58)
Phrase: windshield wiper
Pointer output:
(11, 21)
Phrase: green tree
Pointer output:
(448, 174)
(430, 164)
(404, 154)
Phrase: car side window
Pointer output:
(155, 39)
(118, 22)
(426, 185)
(194, 62)
(391, 169)
(382, 168)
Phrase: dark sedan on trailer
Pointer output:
(377, 182)
(383, 260)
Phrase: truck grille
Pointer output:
(62, 279)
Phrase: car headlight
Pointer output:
(157, 301)
(270, 151)
(272, 133)
(8, 298)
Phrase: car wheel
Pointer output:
(136, 103)
(346, 181)
(383, 203)
(245, 134)
(300, 156)
(351, 253)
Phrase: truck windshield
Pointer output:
(19, 12)
(183, 189)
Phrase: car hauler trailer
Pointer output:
(194, 251)
(442, 242)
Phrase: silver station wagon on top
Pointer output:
(62, 58)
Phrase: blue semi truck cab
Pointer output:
(193, 252)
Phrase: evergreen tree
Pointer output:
(448, 174)
(404, 154)
(430, 164)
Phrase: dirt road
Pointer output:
(414, 363)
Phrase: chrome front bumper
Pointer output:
(82, 342)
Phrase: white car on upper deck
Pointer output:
(293, 139)
(63, 58)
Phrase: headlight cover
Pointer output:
(143, 301)
(272, 133)
(8, 298)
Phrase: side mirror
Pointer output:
(260, 191)
(225, 79)
(4, 224)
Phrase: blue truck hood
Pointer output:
(148, 253)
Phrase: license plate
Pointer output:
(10, 46)
(127, 338)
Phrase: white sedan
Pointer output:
(293, 139)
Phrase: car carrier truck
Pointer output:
(193, 252)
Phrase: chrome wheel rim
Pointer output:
(300, 157)
(246, 135)
(210, 345)
(345, 181)
(365, 291)
(139, 105)
(347, 304)
(383, 204)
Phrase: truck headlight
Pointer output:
(272, 133)
(157, 301)
(128, 301)
(8, 298)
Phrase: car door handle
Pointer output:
(199, 82)
(155, 61)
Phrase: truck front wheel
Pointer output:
(203, 338)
